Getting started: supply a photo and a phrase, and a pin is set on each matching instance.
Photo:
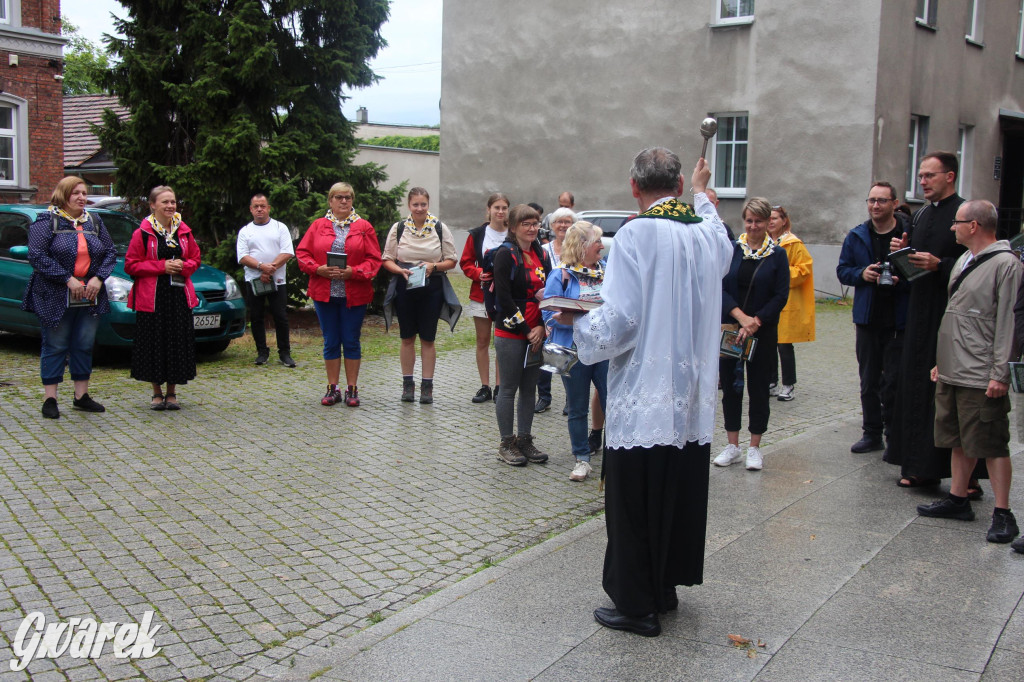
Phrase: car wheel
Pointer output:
(213, 347)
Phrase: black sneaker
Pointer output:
(1018, 545)
(50, 410)
(88, 404)
(286, 359)
(1004, 527)
(594, 441)
(947, 509)
(867, 444)
(483, 395)
(262, 357)
(495, 394)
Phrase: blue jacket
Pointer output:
(856, 255)
(768, 292)
(560, 333)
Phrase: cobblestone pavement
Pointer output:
(261, 526)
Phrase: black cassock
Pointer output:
(911, 438)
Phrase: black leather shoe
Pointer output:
(947, 509)
(671, 600)
(1004, 528)
(645, 626)
(88, 404)
(542, 405)
(867, 444)
(286, 359)
(50, 410)
(262, 357)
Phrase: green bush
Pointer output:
(430, 143)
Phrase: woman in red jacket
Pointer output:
(161, 258)
(340, 295)
(481, 240)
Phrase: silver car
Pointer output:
(609, 222)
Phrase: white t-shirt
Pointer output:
(492, 238)
(264, 243)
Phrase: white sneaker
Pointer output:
(754, 460)
(773, 390)
(580, 471)
(786, 393)
(730, 455)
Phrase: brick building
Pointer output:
(31, 103)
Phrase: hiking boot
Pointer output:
(408, 391)
(426, 392)
(947, 509)
(730, 455)
(352, 396)
(509, 453)
(580, 471)
(332, 397)
(1004, 527)
(88, 404)
(483, 395)
(530, 451)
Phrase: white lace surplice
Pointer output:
(660, 327)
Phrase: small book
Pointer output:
(730, 346)
(534, 358)
(177, 280)
(337, 259)
(417, 277)
(261, 288)
(904, 268)
(572, 305)
(82, 302)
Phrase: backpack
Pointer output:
(494, 310)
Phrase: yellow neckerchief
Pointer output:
(61, 213)
(168, 233)
(673, 210)
(596, 272)
(766, 248)
(429, 223)
(342, 224)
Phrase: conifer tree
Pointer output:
(230, 97)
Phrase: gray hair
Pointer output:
(656, 169)
(982, 212)
(562, 212)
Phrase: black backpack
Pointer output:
(494, 310)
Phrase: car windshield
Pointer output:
(120, 226)
(608, 224)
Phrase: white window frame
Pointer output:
(1020, 32)
(926, 13)
(5, 9)
(19, 132)
(729, 191)
(918, 143)
(725, 21)
(976, 22)
(964, 156)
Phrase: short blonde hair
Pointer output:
(341, 188)
(578, 238)
(757, 206)
(157, 191)
(62, 192)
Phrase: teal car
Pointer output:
(219, 317)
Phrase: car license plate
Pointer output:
(206, 321)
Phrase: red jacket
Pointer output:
(144, 267)
(363, 251)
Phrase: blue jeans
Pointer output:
(577, 392)
(341, 327)
(70, 341)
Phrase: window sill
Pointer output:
(924, 24)
(1020, 57)
(907, 199)
(977, 43)
(731, 23)
(731, 192)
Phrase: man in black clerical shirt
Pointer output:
(879, 311)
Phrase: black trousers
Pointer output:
(787, 358)
(544, 386)
(656, 511)
(878, 356)
(278, 304)
(758, 377)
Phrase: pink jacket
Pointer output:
(144, 267)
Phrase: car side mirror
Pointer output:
(19, 252)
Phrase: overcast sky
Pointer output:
(410, 66)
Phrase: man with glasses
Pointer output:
(911, 438)
(972, 371)
(879, 311)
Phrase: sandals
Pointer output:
(168, 405)
(915, 482)
(974, 491)
(158, 406)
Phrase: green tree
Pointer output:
(230, 97)
(85, 63)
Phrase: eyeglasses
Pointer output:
(342, 197)
(962, 221)
(529, 223)
(873, 200)
(929, 176)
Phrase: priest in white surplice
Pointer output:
(659, 327)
